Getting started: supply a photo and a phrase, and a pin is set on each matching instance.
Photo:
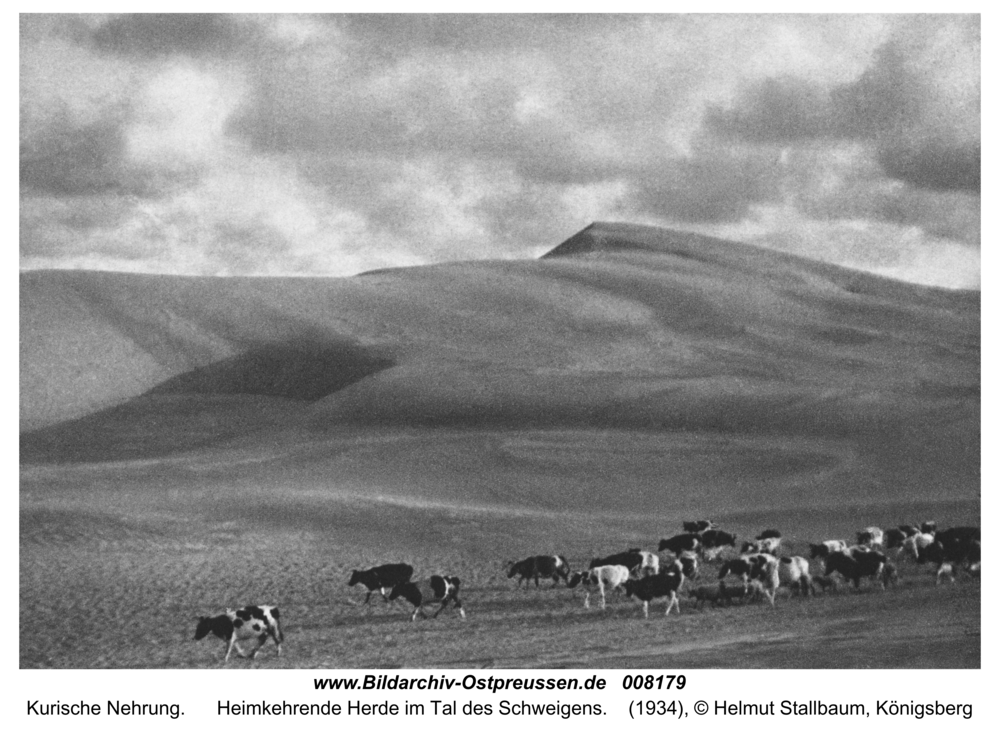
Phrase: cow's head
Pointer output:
(355, 578)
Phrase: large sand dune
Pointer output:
(620, 328)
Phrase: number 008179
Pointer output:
(653, 682)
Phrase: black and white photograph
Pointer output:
(506, 341)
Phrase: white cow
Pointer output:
(603, 577)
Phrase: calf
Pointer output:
(441, 589)
(742, 567)
(826, 583)
(250, 622)
(664, 584)
(381, 578)
(603, 577)
(535, 567)
(680, 543)
(853, 567)
(914, 545)
(714, 593)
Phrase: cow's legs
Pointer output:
(232, 645)
(645, 609)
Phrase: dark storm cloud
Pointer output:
(72, 160)
(146, 35)
(903, 104)
(939, 165)
(782, 111)
(63, 157)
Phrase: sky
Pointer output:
(330, 145)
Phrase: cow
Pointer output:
(381, 578)
(689, 562)
(443, 589)
(636, 561)
(697, 526)
(793, 571)
(915, 545)
(769, 534)
(822, 550)
(895, 537)
(929, 527)
(680, 543)
(713, 542)
(767, 545)
(743, 567)
(871, 536)
(664, 584)
(952, 547)
(603, 577)
(767, 570)
(853, 567)
(250, 622)
(908, 530)
(535, 567)
(826, 583)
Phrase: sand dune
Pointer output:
(619, 328)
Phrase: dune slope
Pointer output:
(620, 328)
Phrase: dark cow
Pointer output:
(250, 622)
(635, 560)
(382, 578)
(717, 538)
(535, 567)
(955, 546)
(664, 584)
(895, 537)
(680, 543)
(769, 534)
(697, 526)
(854, 566)
(443, 589)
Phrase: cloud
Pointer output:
(148, 35)
(331, 144)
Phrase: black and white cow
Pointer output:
(664, 584)
(713, 542)
(895, 537)
(768, 545)
(535, 567)
(443, 589)
(680, 543)
(245, 623)
(603, 577)
(871, 536)
(822, 550)
(697, 526)
(636, 561)
(952, 547)
(857, 565)
(381, 578)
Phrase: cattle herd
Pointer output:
(757, 568)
